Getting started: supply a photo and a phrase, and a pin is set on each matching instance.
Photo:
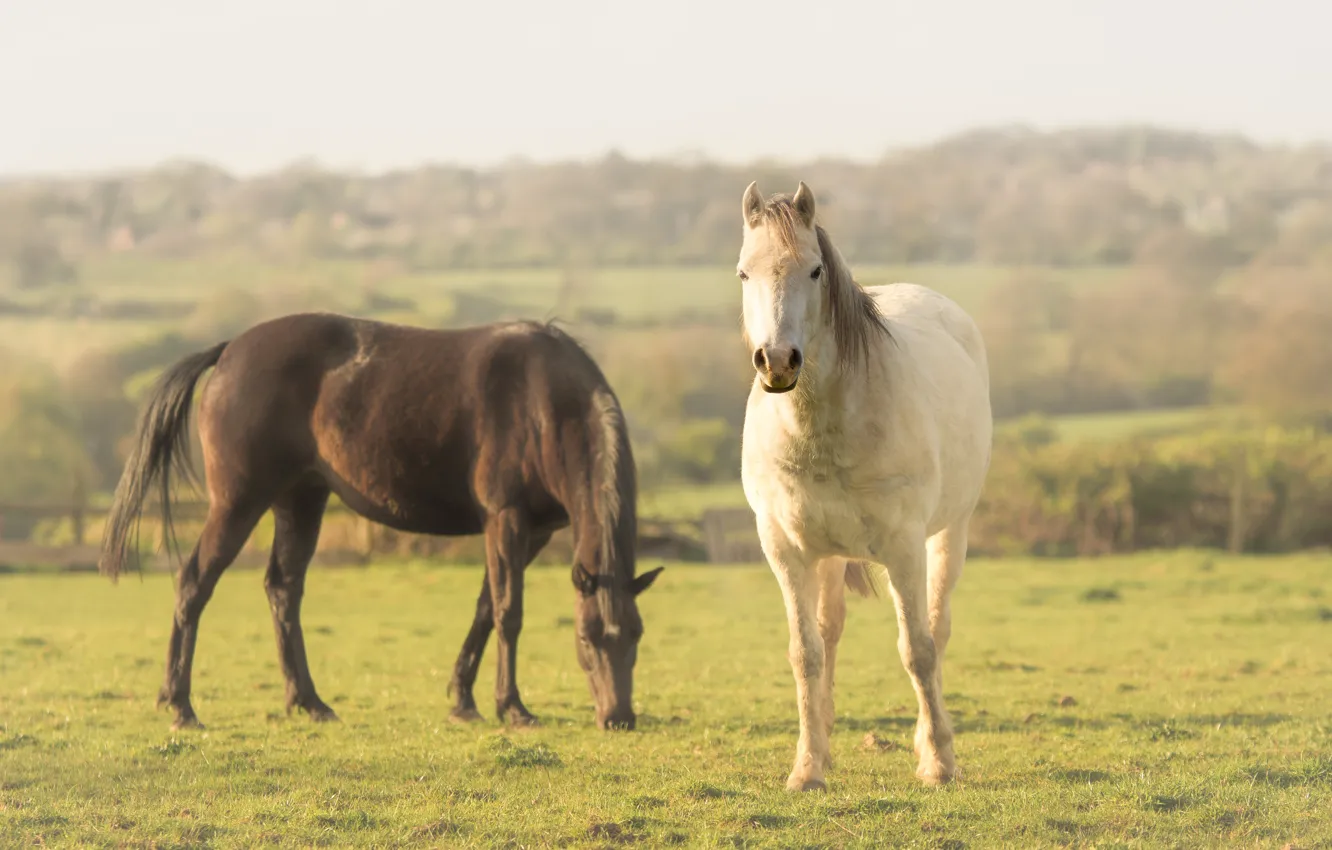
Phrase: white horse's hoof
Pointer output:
(935, 774)
(795, 783)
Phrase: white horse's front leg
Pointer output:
(799, 579)
(832, 617)
(905, 560)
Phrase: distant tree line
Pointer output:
(1000, 196)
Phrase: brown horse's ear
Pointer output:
(643, 582)
(752, 205)
(583, 581)
(804, 204)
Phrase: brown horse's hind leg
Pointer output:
(506, 545)
(297, 517)
(474, 645)
(224, 533)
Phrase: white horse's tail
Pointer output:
(866, 579)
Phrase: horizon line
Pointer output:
(690, 155)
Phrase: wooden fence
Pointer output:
(718, 536)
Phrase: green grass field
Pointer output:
(633, 294)
(1169, 700)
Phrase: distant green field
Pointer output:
(686, 501)
(632, 294)
(1156, 701)
(1116, 426)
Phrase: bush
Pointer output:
(1258, 491)
(42, 456)
(699, 451)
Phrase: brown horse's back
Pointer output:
(422, 430)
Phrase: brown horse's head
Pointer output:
(608, 646)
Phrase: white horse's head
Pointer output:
(796, 287)
(782, 271)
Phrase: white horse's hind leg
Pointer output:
(947, 554)
(910, 585)
(799, 580)
(832, 617)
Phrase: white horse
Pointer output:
(866, 442)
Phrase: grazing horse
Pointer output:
(506, 429)
(866, 442)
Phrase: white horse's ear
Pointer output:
(752, 205)
(804, 204)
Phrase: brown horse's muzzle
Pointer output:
(610, 678)
(620, 720)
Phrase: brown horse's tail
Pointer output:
(162, 446)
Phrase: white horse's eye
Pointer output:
(818, 270)
(742, 275)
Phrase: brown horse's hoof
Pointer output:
(313, 707)
(188, 721)
(465, 715)
(520, 718)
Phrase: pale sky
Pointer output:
(251, 85)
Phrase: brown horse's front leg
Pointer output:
(469, 659)
(506, 545)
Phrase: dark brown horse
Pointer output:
(507, 429)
